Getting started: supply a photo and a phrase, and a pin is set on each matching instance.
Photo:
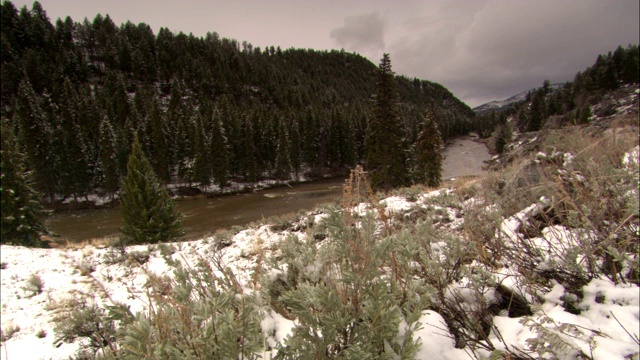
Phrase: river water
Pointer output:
(203, 216)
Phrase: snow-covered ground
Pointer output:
(607, 327)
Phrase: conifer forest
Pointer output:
(206, 109)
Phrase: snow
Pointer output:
(396, 204)
(606, 328)
(437, 344)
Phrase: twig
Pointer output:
(635, 339)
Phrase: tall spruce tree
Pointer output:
(21, 208)
(385, 143)
(36, 138)
(110, 177)
(147, 211)
(218, 152)
(427, 149)
(283, 160)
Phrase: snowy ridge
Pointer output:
(500, 104)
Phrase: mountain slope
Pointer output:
(174, 89)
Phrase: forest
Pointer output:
(207, 110)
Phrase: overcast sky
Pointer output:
(481, 50)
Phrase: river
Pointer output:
(204, 216)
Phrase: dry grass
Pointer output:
(95, 242)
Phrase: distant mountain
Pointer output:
(498, 105)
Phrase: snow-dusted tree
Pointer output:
(219, 152)
(36, 139)
(247, 156)
(147, 211)
(385, 139)
(283, 160)
(21, 208)
(428, 161)
(202, 161)
(108, 161)
(75, 175)
(159, 144)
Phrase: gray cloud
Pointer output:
(363, 33)
(495, 49)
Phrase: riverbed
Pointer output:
(464, 156)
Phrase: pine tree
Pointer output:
(503, 137)
(159, 148)
(386, 147)
(75, 177)
(202, 163)
(247, 157)
(428, 157)
(537, 112)
(218, 152)
(36, 138)
(147, 211)
(108, 157)
(21, 208)
(294, 144)
(283, 160)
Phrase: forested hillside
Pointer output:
(570, 103)
(206, 109)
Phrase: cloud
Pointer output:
(363, 33)
(494, 49)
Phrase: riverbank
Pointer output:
(186, 191)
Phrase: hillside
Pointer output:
(207, 110)
(500, 105)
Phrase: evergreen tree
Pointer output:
(503, 137)
(201, 164)
(21, 209)
(537, 112)
(584, 115)
(428, 161)
(147, 211)
(283, 160)
(159, 149)
(218, 153)
(248, 153)
(36, 136)
(385, 143)
(108, 157)
(294, 150)
(310, 138)
(75, 177)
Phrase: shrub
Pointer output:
(35, 284)
(203, 316)
(8, 332)
(89, 322)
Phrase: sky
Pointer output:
(481, 50)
